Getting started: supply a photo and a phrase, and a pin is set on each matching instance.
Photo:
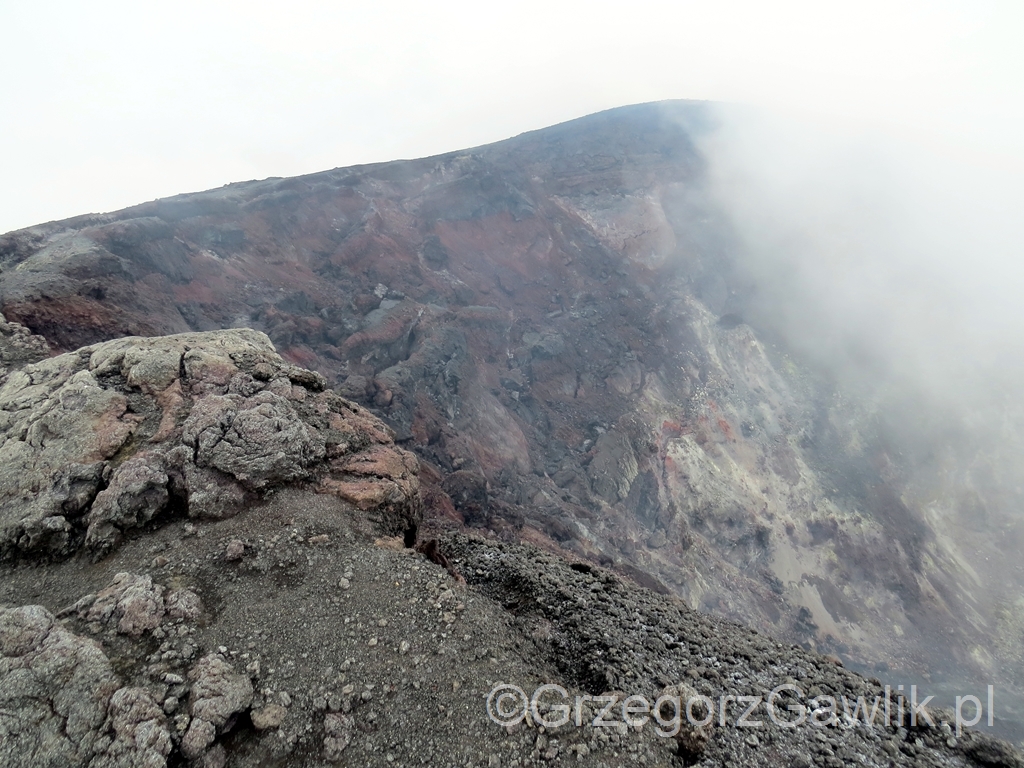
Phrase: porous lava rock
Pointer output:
(62, 704)
(123, 434)
(18, 346)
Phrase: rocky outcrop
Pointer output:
(61, 703)
(18, 347)
(135, 605)
(120, 435)
(219, 694)
(325, 645)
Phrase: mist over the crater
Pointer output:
(892, 269)
(877, 254)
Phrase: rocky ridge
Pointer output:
(295, 626)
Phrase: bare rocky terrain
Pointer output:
(294, 472)
(149, 618)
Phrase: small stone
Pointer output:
(751, 741)
(344, 584)
(234, 551)
(285, 698)
(373, 641)
(270, 716)
(338, 734)
(170, 704)
(403, 647)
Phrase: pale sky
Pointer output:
(107, 104)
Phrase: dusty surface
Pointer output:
(320, 644)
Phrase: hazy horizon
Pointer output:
(112, 104)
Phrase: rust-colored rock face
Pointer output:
(553, 324)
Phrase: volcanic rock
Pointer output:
(121, 434)
(19, 346)
(62, 704)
